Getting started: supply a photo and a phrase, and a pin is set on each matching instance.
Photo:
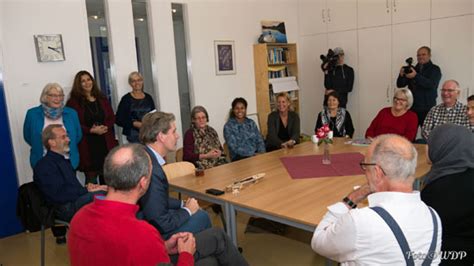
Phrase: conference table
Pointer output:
(300, 203)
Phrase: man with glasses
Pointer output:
(449, 111)
(397, 228)
(423, 81)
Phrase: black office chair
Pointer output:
(35, 214)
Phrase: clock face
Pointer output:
(49, 48)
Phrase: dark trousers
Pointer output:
(421, 114)
(214, 247)
(66, 211)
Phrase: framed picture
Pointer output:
(225, 57)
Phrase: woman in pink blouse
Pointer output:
(397, 119)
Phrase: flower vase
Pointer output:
(326, 155)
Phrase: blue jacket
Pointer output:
(157, 208)
(33, 127)
(56, 179)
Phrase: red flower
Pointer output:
(321, 134)
(326, 128)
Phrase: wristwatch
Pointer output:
(349, 202)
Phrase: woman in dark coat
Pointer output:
(449, 188)
(283, 125)
(97, 123)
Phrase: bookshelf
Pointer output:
(273, 61)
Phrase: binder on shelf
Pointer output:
(284, 84)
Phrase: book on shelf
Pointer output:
(278, 72)
(277, 55)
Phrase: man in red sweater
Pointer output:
(107, 232)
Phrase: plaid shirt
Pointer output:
(440, 114)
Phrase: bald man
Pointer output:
(362, 236)
(449, 111)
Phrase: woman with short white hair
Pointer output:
(398, 119)
(51, 111)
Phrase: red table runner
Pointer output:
(311, 166)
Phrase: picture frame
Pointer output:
(224, 52)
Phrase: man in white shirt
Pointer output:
(354, 236)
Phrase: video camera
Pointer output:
(407, 68)
(331, 59)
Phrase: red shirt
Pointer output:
(385, 122)
(108, 233)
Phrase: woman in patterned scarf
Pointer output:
(338, 118)
(201, 143)
(51, 111)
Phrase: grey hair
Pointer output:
(49, 134)
(134, 73)
(407, 94)
(396, 156)
(199, 109)
(49, 87)
(455, 82)
(153, 124)
(124, 173)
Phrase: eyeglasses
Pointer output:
(399, 99)
(56, 95)
(448, 91)
(363, 166)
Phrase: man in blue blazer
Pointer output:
(168, 215)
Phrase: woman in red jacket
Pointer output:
(398, 119)
(97, 121)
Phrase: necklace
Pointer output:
(92, 107)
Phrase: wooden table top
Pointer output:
(299, 200)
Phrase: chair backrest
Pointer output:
(32, 208)
(226, 151)
(179, 155)
(173, 170)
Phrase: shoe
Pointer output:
(240, 250)
(61, 240)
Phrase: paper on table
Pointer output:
(284, 84)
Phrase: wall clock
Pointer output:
(49, 47)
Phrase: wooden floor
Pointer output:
(293, 248)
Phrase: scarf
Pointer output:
(340, 117)
(451, 151)
(206, 140)
(52, 113)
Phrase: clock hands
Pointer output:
(54, 49)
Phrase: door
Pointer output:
(374, 74)
(312, 17)
(452, 50)
(444, 8)
(341, 15)
(408, 10)
(311, 79)
(371, 13)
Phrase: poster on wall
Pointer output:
(225, 57)
(274, 30)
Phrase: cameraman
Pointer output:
(423, 82)
(339, 79)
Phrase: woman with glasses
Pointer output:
(132, 107)
(97, 122)
(201, 144)
(397, 119)
(51, 111)
(338, 118)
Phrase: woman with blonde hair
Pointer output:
(283, 125)
(51, 111)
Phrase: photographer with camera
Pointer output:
(338, 77)
(422, 80)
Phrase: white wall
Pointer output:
(24, 76)
(230, 20)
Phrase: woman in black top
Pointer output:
(132, 107)
(338, 118)
(449, 188)
(283, 125)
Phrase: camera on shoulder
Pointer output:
(329, 60)
(407, 68)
